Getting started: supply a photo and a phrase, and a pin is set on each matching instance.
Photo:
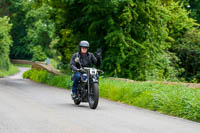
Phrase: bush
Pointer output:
(38, 54)
(12, 70)
(43, 76)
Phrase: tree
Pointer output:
(40, 30)
(5, 43)
(31, 27)
(15, 10)
(5, 7)
(194, 7)
(134, 35)
(188, 50)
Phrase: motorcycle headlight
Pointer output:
(93, 72)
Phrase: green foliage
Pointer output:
(40, 29)
(12, 70)
(31, 27)
(139, 38)
(135, 35)
(179, 22)
(38, 54)
(54, 63)
(43, 76)
(5, 43)
(188, 50)
(194, 7)
(5, 7)
(17, 12)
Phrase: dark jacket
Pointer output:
(85, 60)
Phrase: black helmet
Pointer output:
(84, 44)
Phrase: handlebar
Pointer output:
(88, 69)
(101, 71)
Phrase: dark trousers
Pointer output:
(77, 77)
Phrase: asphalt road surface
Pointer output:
(29, 107)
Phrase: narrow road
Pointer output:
(29, 107)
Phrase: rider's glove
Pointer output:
(75, 70)
(99, 53)
(81, 70)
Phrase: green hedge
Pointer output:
(63, 81)
(176, 100)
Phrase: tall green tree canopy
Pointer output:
(15, 10)
(135, 35)
(188, 50)
(40, 30)
(194, 7)
(140, 39)
(31, 27)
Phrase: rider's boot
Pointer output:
(74, 95)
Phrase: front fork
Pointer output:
(88, 77)
(89, 87)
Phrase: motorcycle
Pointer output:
(88, 87)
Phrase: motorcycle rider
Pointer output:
(83, 58)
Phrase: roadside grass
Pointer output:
(22, 65)
(13, 69)
(175, 100)
(42, 76)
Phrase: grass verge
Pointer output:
(175, 100)
(23, 65)
(13, 69)
(62, 81)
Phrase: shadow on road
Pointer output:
(82, 106)
(71, 105)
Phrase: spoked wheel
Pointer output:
(93, 96)
(77, 101)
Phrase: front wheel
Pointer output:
(93, 96)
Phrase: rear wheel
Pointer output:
(93, 96)
(77, 102)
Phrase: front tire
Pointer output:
(93, 96)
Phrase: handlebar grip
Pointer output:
(102, 72)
